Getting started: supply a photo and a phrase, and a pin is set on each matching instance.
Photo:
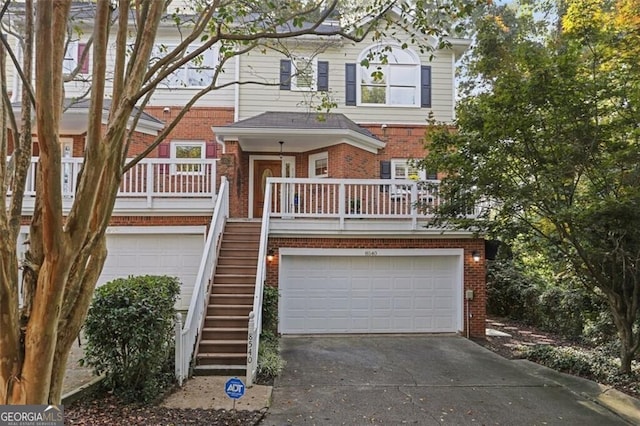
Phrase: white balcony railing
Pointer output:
(342, 199)
(149, 179)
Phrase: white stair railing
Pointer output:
(255, 317)
(187, 335)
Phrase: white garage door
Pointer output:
(176, 255)
(382, 294)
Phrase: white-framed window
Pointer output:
(72, 55)
(196, 73)
(319, 165)
(404, 168)
(305, 74)
(188, 152)
(388, 75)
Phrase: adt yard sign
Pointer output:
(234, 388)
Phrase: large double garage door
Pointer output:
(370, 291)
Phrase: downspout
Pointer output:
(236, 88)
(220, 142)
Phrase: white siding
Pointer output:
(255, 99)
(163, 96)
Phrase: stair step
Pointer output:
(223, 346)
(218, 288)
(224, 333)
(226, 321)
(237, 260)
(231, 299)
(237, 269)
(229, 235)
(229, 359)
(215, 309)
(248, 246)
(219, 370)
(239, 251)
(234, 279)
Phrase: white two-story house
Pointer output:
(256, 186)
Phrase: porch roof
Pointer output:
(300, 132)
(74, 117)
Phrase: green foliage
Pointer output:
(129, 329)
(511, 292)
(595, 364)
(548, 143)
(270, 363)
(270, 310)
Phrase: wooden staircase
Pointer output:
(222, 346)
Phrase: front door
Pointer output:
(263, 169)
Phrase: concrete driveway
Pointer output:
(425, 380)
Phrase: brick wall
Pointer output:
(196, 123)
(149, 220)
(474, 272)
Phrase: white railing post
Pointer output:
(178, 350)
(414, 205)
(342, 203)
(252, 353)
(150, 183)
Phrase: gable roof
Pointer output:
(302, 131)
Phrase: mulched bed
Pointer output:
(523, 335)
(109, 411)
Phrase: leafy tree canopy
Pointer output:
(548, 144)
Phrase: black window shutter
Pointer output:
(285, 74)
(385, 169)
(323, 76)
(425, 86)
(350, 84)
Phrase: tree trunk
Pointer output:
(73, 319)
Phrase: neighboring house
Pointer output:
(334, 191)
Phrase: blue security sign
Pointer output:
(234, 388)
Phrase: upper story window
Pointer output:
(387, 75)
(392, 77)
(319, 165)
(304, 74)
(73, 54)
(196, 73)
(406, 169)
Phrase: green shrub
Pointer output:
(129, 331)
(270, 310)
(511, 293)
(270, 363)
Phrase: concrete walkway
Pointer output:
(424, 380)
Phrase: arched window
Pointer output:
(388, 75)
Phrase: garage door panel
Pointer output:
(155, 254)
(368, 294)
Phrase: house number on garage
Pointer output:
(370, 253)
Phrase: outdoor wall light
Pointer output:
(270, 255)
(476, 256)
